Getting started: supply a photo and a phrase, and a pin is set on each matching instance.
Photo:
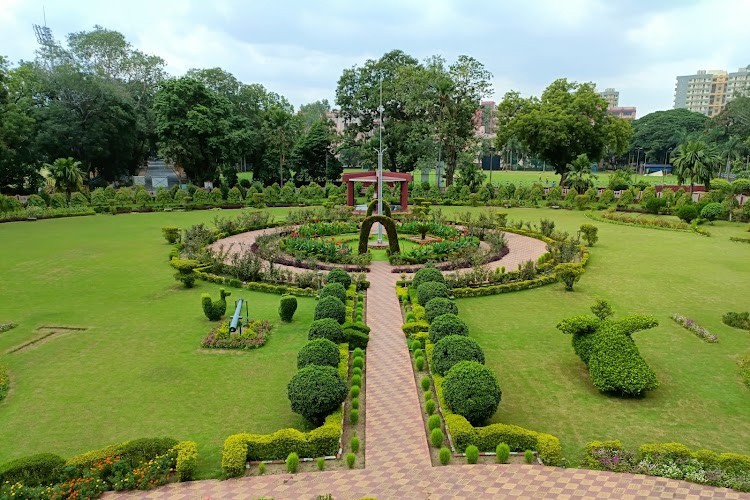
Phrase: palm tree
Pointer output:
(67, 174)
(579, 175)
(695, 161)
(732, 149)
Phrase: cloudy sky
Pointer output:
(299, 48)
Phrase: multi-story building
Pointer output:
(611, 96)
(708, 91)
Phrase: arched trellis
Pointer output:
(390, 229)
(373, 207)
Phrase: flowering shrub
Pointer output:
(153, 473)
(254, 335)
(315, 229)
(694, 327)
(674, 461)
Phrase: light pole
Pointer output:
(637, 160)
(380, 165)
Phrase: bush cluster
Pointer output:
(334, 289)
(287, 307)
(453, 349)
(430, 290)
(426, 275)
(339, 276)
(316, 391)
(319, 352)
(439, 306)
(330, 307)
(614, 362)
(445, 325)
(326, 328)
(471, 390)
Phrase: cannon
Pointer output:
(237, 317)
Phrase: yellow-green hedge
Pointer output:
(239, 448)
(187, 460)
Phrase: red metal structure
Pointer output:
(389, 178)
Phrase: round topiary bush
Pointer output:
(330, 307)
(687, 213)
(430, 290)
(334, 289)
(470, 389)
(339, 276)
(326, 328)
(287, 307)
(427, 274)
(439, 306)
(447, 324)
(319, 352)
(315, 392)
(454, 349)
(712, 211)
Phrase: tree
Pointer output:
(580, 177)
(569, 120)
(312, 113)
(66, 173)
(695, 161)
(280, 129)
(659, 132)
(18, 172)
(193, 126)
(313, 156)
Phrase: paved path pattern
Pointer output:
(397, 459)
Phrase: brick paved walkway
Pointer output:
(397, 456)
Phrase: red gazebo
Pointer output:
(370, 177)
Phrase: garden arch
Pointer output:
(390, 229)
(373, 207)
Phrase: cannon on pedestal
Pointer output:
(237, 317)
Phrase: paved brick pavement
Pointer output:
(397, 458)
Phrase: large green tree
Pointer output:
(569, 120)
(313, 155)
(18, 169)
(66, 172)
(193, 127)
(659, 132)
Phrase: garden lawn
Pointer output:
(138, 370)
(701, 401)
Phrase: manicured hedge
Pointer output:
(35, 470)
(453, 349)
(330, 307)
(470, 389)
(425, 275)
(320, 442)
(430, 290)
(316, 391)
(319, 352)
(339, 276)
(287, 307)
(438, 306)
(334, 289)
(356, 338)
(187, 460)
(326, 328)
(257, 286)
(614, 362)
(415, 327)
(447, 324)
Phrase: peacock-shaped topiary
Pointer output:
(214, 310)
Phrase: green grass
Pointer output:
(701, 402)
(138, 370)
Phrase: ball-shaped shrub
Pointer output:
(425, 275)
(712, 211)
(454, 349)
(430, 290)
(320, 352)
(326, 328)
(470, 389)
(315, 392)
(339, 276)
(334, 290)
(439, 306)
(447, 324)
(687, 213)
(330, 307)
(287, 307)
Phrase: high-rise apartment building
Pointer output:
(708, 91)
(611, 96)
